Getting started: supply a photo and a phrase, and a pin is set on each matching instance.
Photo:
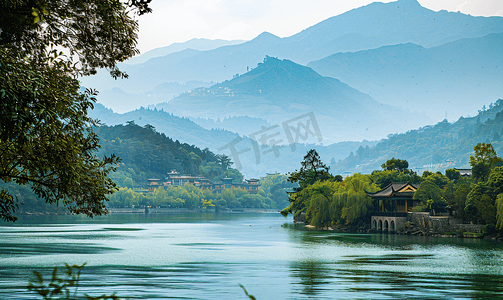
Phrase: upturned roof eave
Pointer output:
(391, 192)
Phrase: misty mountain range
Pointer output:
(251, 163)
(464, 74)
(366, 32)
(376, 70)
(278, 90)
(194, 44)
(434, 147)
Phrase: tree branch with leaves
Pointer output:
(46, 137)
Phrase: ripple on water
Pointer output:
(209, 258)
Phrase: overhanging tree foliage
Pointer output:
(46, 137)
(97, 34)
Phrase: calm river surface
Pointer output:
(207, 256)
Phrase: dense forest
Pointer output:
(439, 147)
(145, 154)
(326, 200)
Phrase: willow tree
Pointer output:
(350, 202)
(499, 212)
(319, 212)
(335, 203)
(46, 136)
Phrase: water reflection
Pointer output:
(163, 257)
(313, 276)
(300, 234)
(387, 266)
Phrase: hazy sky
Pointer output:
(181, 20)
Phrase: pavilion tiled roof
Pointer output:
(396, 189)
(464, 172)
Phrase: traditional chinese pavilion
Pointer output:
(153, 183)
(250, 185)
(464, 172)
(391, 205)
(176, 179)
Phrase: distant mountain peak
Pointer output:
(266, 36)
(264, 40)
(199, 44)
(281, 77)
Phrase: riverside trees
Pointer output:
(46, 136)
(327, 203)
(326, 199)
(270, 195)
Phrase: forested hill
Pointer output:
(441, 146)
(146, 153)
(185, 130)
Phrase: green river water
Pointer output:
(207, 256)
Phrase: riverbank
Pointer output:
(415, 224)
(165, 210)
(411, 229)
